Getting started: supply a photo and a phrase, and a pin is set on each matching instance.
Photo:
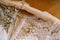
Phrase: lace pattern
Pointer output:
(29, 27)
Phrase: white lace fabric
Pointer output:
(32, 28)
(29, 27)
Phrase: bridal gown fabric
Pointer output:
(23, 26)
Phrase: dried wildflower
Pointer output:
(7, 15)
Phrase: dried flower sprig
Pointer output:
(7, 15)
(25, 6)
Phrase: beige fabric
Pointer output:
(29, 27)
(33, 28)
